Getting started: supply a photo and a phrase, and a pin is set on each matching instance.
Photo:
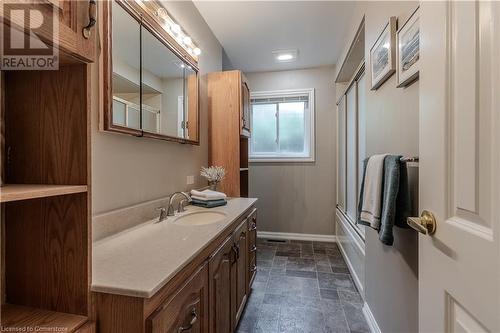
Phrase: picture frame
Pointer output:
(408, 50)
(383, 55)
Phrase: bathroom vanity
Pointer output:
(189, 273)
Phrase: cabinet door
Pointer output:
(220, 287)
(72, 17)
(245, 110)
(252, 248)
(186, 311)
(239, 269)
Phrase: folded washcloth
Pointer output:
(371, 195)
(208, 195)
(209, 204)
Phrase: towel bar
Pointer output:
(414, 159)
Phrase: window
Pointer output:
(351, 149)
(282, 126)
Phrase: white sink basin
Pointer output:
(200, 218)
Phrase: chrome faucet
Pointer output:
(180, 208)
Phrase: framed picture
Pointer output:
(408, 50)
(383, 54)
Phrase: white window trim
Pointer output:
(310, 127)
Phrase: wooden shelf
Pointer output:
(22, 317)
(15, 192)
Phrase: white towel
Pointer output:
(208, 195)
(205, 199)
(372, 194)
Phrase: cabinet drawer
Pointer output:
(187, 310)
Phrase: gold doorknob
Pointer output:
(425, 224)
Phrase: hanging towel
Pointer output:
(370, 203)
(208, 195)
(396, 203)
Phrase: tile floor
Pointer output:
(302, 287)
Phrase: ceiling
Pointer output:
(250, 30)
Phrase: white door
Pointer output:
(459, 266)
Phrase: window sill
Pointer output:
(282, 160)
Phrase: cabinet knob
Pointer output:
(253, 249)
(194, 318)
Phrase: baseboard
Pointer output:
(371, 319)
(295, 236)
(354, 275)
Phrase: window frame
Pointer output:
(309, 123)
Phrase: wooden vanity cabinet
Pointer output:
(219, 281)
(252, 248)
(239, 283)
(228, 281)
(186, 311)
(210, 292)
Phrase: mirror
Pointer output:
(154, 90)
(169, 91)
(126, 69)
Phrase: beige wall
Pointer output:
(391, 273)
(128, 170)
(299, 197)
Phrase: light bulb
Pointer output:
(176, 28)
(161, 12)
(284, 57)
(187, 40)
(197, 51)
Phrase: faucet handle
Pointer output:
(163, 213)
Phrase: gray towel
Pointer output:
(396, 205)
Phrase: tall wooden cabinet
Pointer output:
(45, 197)
(228, 98)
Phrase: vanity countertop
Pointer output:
(141, 260)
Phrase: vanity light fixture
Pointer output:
(285, 55)
(187, 40)
(161, 15)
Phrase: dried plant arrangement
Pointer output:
(214, 175)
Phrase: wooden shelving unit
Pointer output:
(23, 317)
(16, 192)
(45, 200)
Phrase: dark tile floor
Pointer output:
(302, 287)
